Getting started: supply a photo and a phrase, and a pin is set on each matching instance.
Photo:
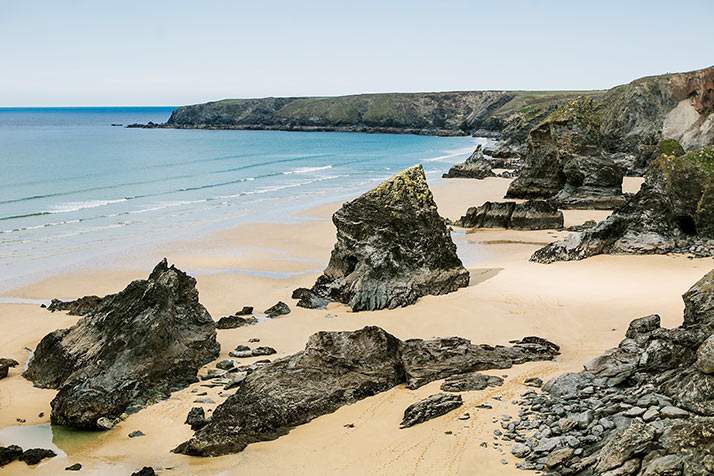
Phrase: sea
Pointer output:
(78, 188)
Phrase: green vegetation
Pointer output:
(670, 147)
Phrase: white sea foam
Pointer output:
(76, 206)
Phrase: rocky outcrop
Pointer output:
(8, 454)
(336, 369)
(644, 408)
(392, 248)
(531, 215)
(278, 309)
(475, 167)
(135, 348)
(429, 408)
(5, 365)
(673, 211)
(33, 456)
(564, 161)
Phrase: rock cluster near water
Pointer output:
(339, 368)
(475, 167)
(392, 248)
(31, 456)
(644, 408)
(530, 215)
(565, 161)
(134, 348)
(672, 212)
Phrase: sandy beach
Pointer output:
(584, 306)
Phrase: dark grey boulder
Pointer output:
(429, 408)
(278, 309)
(235, 321)
(309, 300)
(8, 454)
(5, 365)
(196, 418)
(137, 347)
(470, 382)
(33, 456)
(392, 248)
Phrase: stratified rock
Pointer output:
(470, 382)
(8, 454)
(565, 161)
(309, 299)
(335, 369)
(196, 418)
(644, 408)
(278, 309)
(426, 361)
(530, 215)
(673, 209)
(392, 248)
(258, 351)
(475, 167)
(431, 407)
(5, 365)
(705, 356)
(235, 321)
(136, 348)
(78, 307)
(35, 455)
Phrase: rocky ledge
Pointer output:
(645, 408)
(672, 212)
(340, 368)
(134, 348)
(564, 161)
(530, 215)
(392, 248)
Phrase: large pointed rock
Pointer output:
(475, 167)
(134, 348)
(392, 248)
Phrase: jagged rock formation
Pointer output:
(429, 408)
(475, 167)
(340, 368)
(644, 408)
(392, 248)
(531, 215)
(673, 211)
(136, 347)
(564, 161)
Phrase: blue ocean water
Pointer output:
(74, 188)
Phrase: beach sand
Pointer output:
(583, 306)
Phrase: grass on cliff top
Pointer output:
(532, 101)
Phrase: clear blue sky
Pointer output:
(151, 52)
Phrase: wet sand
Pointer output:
(583, 306)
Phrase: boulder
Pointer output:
(8, 454)
(34, 455)
(673, 209)
(475, 167)
(392, 248)
(336, 369)
(196, 418)
(145, 471)
(235, 321)
(137, 347)
(279, 309)
(309, 300)
(530, 215)
(431, 407)
(5, 365)
(565, 161)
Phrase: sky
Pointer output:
(155, 52)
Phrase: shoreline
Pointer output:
(508, 298)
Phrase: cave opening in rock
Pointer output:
(686, 225)
(350, 264)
